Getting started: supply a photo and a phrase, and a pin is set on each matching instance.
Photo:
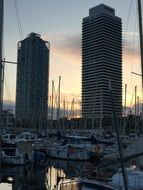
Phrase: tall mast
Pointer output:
(116, 127)
(125, 107)
(141, 46)
(52, 107)
(1, 47)
(58, 109)
(141, 37)
(135, 108)
(52, 103)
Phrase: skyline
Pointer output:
(57, 23)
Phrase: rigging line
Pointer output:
(6, 83)
(133, 50)
(127, 21)
(18, 20)
(8, 92)
(55, 100)
(131, 101)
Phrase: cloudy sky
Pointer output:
(60, 22)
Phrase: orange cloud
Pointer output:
(131, 65)
(65, 46)
(65, 59)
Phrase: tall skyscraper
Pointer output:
(101, 62)
(32, 79)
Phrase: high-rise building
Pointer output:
(101, 62)
(32, 79)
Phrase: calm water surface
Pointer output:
(47, 175)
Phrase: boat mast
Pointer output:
(125, 107)
(52, 108)
(52, 103)
(116, 127)
(1, 45)
(141, 37)
(58, 109)
(141, 44)
(136, 109)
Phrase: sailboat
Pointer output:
(136, 147)
(83, 184)
(8, 154)
(133, 175)
(1, 45)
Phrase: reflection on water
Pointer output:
(47, 175)
(23, 177)
(43, 177)
(4, 186)
(59, 169)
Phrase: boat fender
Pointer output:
(133, 164)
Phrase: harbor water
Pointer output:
(46, 175)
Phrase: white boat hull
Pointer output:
(134, 177)
(11, 156)
(83, 184)
(64, 153)
(13, 160)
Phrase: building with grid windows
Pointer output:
(32, 80)
(101, 62)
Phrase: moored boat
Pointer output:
(83, 184)
(134, 178)
(11, 156)
(68, 152)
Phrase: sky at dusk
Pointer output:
(60, 23)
